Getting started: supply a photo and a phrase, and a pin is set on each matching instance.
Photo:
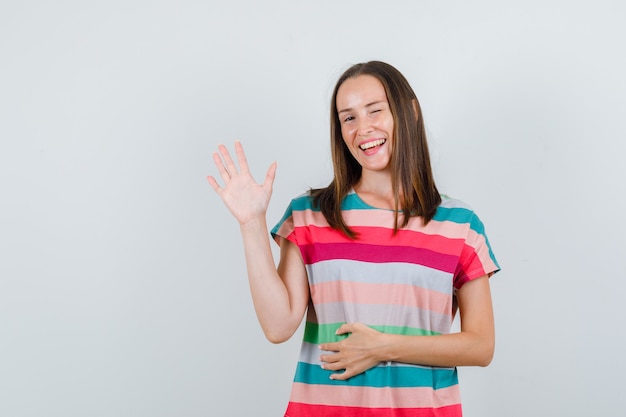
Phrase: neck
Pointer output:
(375, 189)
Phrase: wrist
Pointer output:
(386, 351)
(253, 224)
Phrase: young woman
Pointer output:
(378, 261)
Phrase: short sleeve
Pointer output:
(476, 258)
(285, 227)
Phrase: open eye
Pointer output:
(348, 119)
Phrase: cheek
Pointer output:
(389, 125)
(389, 130)
(347, 132)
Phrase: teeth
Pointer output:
(371, 144)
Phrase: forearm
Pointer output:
(457, 349)
(277, 312)
(472, 346)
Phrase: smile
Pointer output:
(372, 144)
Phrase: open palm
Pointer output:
(242, 195)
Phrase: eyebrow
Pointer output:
(367, 105)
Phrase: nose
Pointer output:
(365, 126)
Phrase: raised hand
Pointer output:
(242, 195)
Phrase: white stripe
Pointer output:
(380, 273)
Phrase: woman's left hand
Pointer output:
(360, 351)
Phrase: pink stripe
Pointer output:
(383, 219)
(479, 244)
(369, 397)
(307, 410)
(378, 254)
(474, 260)
(286, 230)
(380, 236)
(390, 294)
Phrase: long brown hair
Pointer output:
(412, 181)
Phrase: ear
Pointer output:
(414, 102)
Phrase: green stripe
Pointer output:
(381, 376)
(325, 333)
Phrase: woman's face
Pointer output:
(366, 121)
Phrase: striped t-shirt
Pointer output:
(402, 284)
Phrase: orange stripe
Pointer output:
(390, 294)
(369, 397)
(383, 219)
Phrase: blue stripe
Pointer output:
(305, 202)
(453, 214)
(382, 376)
(463, 216)
(353, 202)
(350, 202)
(287, 214)
(477, 226)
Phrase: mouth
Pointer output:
(372, 144)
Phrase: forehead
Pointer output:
(360, 90)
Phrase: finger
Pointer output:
(345, 328)
(220, 168)
(330, 347)
(336, 366)
(230, 164)
(241, 157)
(334, 357)
(342, 376)
(214, 184)
(270, 176)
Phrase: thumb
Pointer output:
(270, 175)
(345, 328)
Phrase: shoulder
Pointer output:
(457, 211)
(292, 217)
(309, 201)
(453, 205)
(304, 201)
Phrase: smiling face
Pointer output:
(366, 121)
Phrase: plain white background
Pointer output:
(122, 282)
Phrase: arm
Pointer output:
(473, 345)
(280, 296)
